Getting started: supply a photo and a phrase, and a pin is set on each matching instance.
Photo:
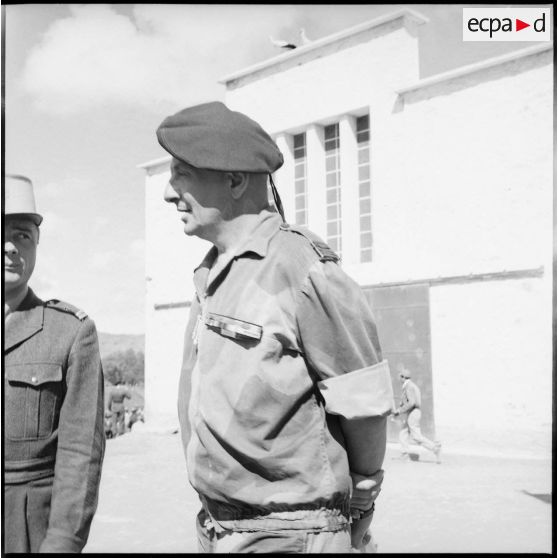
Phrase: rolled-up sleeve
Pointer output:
(81, 444)
(340, 342)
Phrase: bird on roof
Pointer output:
(281, 43)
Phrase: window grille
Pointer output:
(333, 187)
(301, 195)
(364, 187)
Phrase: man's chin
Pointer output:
(13, 287)
(189, 230)
(12, 280)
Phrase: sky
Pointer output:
(86, 87)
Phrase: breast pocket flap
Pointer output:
(34, 374)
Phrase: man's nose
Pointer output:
(170, 194)
(9, 247)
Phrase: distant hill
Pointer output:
(115, 342)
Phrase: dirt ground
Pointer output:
(466, 504)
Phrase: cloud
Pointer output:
(169, 54)
(55, 190)
(100, 261)
(45, 280)
(100, 223)
(44, 286)
(53, 226)
(60, 202)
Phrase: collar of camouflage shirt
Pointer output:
(257, 242)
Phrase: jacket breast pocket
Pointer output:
(33, 396)
(264, 360)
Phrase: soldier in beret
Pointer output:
(53, 399)
(284, 395)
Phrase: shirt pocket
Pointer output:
(259, 359)
(33, 398)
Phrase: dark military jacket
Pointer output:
(53, 413)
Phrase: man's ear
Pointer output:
(238, 182)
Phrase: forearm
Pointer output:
(365, 440)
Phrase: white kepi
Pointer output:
(19, 198)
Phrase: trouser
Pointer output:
(26, 514)
(411, 432)
(285, 541)
(118, 426)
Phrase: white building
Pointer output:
(438, 195)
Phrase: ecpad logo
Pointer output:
(506, 24)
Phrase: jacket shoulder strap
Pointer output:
(325, 253)
(61, 306)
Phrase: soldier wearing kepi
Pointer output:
(285, 428)
(53, 399)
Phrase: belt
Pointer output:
(223, 516)
(17, 472)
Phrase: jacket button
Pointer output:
(34, 379)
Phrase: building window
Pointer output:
(364, 189)
(301, 200)
(333, 187)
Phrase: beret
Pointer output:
(211, 136)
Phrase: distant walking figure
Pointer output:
(410, 409)
(116, 405)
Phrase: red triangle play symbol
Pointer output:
(519, 25)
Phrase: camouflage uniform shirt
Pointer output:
(279, 344)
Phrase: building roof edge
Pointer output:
(475, 67)
(154, 162)
(411, 14)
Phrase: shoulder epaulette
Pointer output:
(325, 253)
(65, 307)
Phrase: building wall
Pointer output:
(472, 154)
(164, 335)
(464, 175)
(476, 169)
(492, 355)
